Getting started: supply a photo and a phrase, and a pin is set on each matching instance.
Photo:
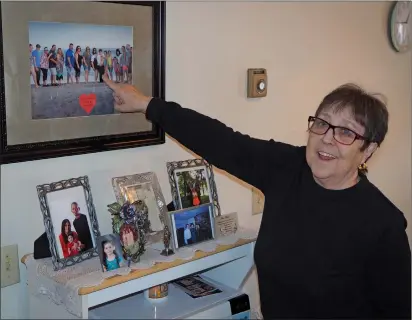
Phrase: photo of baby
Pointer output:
(110, 252)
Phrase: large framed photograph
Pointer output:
(53, 100)
(192, 226)
(70, 220)
(192, 184)
(146, 188)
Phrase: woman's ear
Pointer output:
(369, 151)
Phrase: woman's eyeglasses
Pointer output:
(340, 134)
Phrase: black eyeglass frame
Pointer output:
(331, 126)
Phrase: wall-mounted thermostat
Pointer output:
(257, 83)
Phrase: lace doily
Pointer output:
(62, 286)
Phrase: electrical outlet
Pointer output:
(258, 201)
(10, 272)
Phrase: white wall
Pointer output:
(307, 48)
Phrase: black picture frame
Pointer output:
(70, 147)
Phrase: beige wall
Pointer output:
(307, 48)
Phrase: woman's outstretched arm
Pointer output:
(247, 158)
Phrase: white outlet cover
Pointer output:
(10, 260)
(258, 201)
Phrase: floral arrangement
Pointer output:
(130, 221)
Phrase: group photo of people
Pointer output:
(71, 222)
(68, 60)
(193, 225)
(193, 187)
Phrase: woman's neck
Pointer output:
(339, 183)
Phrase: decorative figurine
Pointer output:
(166, 241)
(128, 221)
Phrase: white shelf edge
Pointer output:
(136, 285)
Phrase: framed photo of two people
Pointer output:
(53, 101)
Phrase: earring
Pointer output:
(363, 166)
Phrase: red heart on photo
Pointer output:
(87, 102)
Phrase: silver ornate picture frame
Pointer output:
(145, 187)
(192, 183)
(70, 221)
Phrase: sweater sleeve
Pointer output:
(389, 275)
(251, 160)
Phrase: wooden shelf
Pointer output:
(228, 265)
(136, 274)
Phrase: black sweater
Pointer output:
(320, 253)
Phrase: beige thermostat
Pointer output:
(256, 83)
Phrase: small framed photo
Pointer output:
(192, 184)
(144, 187)
(192, 225)
(70, 220)
(110, 252)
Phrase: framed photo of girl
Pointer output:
(110, 252)
(70, 220)
(192, 184)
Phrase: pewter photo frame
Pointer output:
(145, 187)
(70, 221)
(192, 184)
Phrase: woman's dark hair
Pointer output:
(62, 229)
(94, 50)
(118, 53)
(368, 109)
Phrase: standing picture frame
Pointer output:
(70, 221)
(192, 225)
(42, 119)
(145, 187)
(192, 183)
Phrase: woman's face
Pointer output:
(333, 164)
(66, 227)
(108, 248)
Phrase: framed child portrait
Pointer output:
(110, 252)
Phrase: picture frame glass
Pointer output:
(144, 187)
(193, 186)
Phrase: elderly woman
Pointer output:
(331, 245)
